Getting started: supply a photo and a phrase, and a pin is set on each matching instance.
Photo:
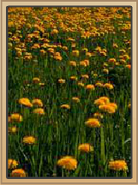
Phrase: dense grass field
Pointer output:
(69, 92)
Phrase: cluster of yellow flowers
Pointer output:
(105, 105)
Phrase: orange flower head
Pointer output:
(18, 173)
(12, 163)
(92, 122)
(85, 148)
(118, 165)
(68, 163)
(26, 102)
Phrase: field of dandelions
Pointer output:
(69, 92)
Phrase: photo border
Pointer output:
(4, 3)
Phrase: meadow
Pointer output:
(69, 92)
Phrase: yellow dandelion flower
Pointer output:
(12, 163)
(97, 115)
(90, 87)
(73, 78)
(37, 102)
(106, 71)
(80, 84)
(68, 163)
(114, 105)
(122, 51)
(103, 53)
(61, 81)
(54, 31)
(39, 111)
(115, 45)
(36, 80)
(65, 106)
(107, 108)
(98, 49)
(108, 86)
(72, 63)
(13, 129)
(85, 76)
(82, 63)
(85, 148)
(29, 140)
(129, 105)
(76, 99)
(75, 53)
(25, 101)
(88, 54)
(92, 122)
(128, 66)
(16, 117)
(18, 173)
(118, 165)
(99, 84)
(122, 61)
(112, 60)
(101, 101)
(9, 119)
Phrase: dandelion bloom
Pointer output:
(85, 148)
(75, 53)
(102, 100)
(122, 61)
(122, 51)
(85, 76)
(107, 108)
(115, 45)
(29, 140)
(106, 71)
(73, 78)
(36, 80)
(112, 60)
(81, 84)
(18, 173)
(114, 105)
(98, 115)
(118, 165)
(9, 119)
(72, 63)
(12, 163)
(84, 63)
(25, 101)
(54, 31)
(128, 66)
(76, 99)
(108, 86)
(99, 102)
(90, 87)
(16, 117)
(65, 106)
(92, 122)
(61, 81)
(103, 53)
(13, 129)
(129, 105)
(68, 163)
(99, 84)
(39, 111)
(37, 102)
